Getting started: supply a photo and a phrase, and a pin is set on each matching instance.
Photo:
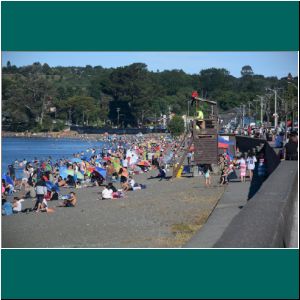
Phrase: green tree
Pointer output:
(82, 109)
(176, 126)
(247, 71)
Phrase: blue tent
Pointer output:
(101, 171)
(51, 186)
(7, 179)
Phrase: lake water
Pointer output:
(41, 148)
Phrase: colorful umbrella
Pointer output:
(7, 179)
(51, 186)
(101, 171)
(79, 175)
(144, 163)
(64, 172)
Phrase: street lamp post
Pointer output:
(118, 112)
(188, 114)
(275, 108)
(293, 104)
(261, 98)
(275, 111)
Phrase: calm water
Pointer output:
(41, 148)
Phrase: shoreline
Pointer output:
(69, 135)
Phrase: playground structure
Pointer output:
(202, 134)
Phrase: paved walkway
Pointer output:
(294, 242)
(233, 199)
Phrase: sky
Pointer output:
(263, 63)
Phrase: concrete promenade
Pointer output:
(231, 203)
(268, 220)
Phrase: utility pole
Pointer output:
(261, 98)
(188, 114)
(118, 112)
(243, 115)
(286, 113)
(293, 104)
(275, 111)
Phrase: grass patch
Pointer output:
(181, 228)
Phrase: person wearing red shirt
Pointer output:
(194, 95)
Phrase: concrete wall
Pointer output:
(266, 220)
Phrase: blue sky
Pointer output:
(264, 63)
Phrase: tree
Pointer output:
(176, 126)
(8, 64)
(82, 109)
(46, 69)
(247, 71)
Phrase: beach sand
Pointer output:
(164, 215)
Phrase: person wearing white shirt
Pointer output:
(17, 204)
(251, 160)
(107, 193)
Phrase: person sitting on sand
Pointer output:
(107, 193)
(7, 209)
(61, 182)
(112, 187)
(71, 181)
(17, 204)
(162, 173)
(97, 178)
(70, 202)
(224, 176)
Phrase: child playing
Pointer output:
(243, 168)
(206, 170)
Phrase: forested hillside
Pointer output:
(41, 98)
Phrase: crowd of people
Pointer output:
(119, 161)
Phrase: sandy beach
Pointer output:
(165, 214)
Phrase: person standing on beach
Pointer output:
(206, 170)
(251, 160)
(12, 172)
(110, 170)
(41, 192)
(243, 168)
(291, 147)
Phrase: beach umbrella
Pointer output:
(90, 168)
(101, 171)
(70, 172)
(64, 172)
(8, 179)
(144, 163)
(51, 186)
(79, 175)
